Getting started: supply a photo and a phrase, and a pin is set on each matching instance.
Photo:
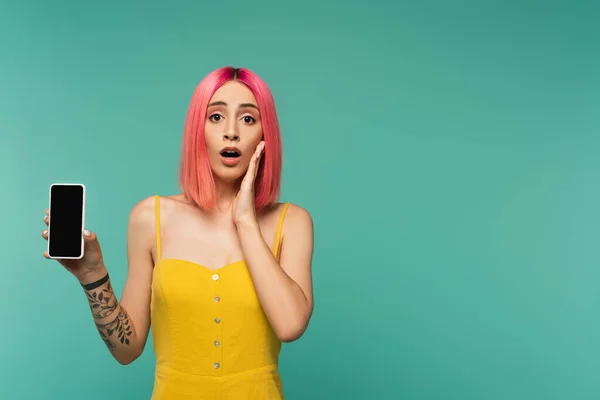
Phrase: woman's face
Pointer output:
(232, 130)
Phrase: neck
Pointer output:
(226, 192)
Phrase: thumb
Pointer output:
(91, 240)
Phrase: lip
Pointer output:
(230, 161)
(231, 148)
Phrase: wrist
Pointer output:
(247, 224)
(94, 277)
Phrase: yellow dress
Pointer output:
(211, 337)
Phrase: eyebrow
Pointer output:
(222, 103)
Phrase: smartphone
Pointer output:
(67, 221)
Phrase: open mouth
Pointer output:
(230, 153)
(230, 156)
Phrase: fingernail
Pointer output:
(45, 232)
(86, 233)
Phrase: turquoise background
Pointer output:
(448, 152)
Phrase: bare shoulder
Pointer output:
(297, 231)
(298, 217)
(142, 213)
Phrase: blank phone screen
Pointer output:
(66, 221)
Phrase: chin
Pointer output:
(228, 175)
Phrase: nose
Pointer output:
(231, 136)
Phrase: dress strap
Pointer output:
(279, 229)
(157, 223)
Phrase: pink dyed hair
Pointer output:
(196, 177)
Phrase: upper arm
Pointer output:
(297, 250)
(137, 290)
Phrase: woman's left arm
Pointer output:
(284, 287)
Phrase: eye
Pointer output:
(249, 120)
(215, 118)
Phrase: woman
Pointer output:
(222, 270)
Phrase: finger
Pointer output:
(248, 181)
(259, 149)
(250, 172)
(88, 236)
(45, 254)
(47, 211)
(47, 220)
(258, 158)
(45, 234)
(257, 163)
(90, 240)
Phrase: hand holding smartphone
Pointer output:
(68, 241)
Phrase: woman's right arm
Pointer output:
(124, 325)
